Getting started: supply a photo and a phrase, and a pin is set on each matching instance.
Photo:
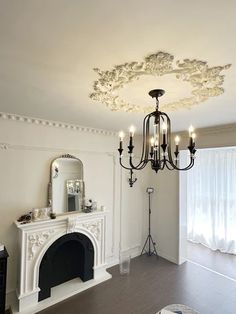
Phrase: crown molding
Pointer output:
(225, 128)
(213, 130)
(55, 124)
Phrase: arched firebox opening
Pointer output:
(69, 257)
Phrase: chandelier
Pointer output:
(156, 145)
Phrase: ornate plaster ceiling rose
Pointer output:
(204, 81)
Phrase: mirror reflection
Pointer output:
(67, 185)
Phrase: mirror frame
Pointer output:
(50, 202)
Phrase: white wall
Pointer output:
(24, 176)
(164, 207)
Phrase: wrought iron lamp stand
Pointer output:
(149, 247)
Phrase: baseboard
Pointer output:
(133, 251)
(10, 298)
(114, 262)
(168, 257)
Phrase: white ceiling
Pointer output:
(48, 50)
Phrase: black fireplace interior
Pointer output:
(69, 257)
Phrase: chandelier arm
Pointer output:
(146, 137)
(188, 167)
(127, 168)
(140, 166)
(132, 167)
(181, 169)
(143, 145)
(169, 165)
(145, 148)
(163, 164)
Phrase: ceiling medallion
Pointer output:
(205, 81)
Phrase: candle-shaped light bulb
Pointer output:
(164, 131)
(193, 139)
(177, 139)
(131, 131)
(121, 135)
(131, 135)
(164, 128)
(152, 141)
(190, 130)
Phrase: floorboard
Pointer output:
(152, 284)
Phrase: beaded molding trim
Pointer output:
(63, 125)
(205, 81)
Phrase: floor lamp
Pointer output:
(149, 246)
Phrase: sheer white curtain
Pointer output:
(211, 199)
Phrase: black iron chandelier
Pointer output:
(156, 147)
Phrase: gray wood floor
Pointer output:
(152, 284)
(223, 263)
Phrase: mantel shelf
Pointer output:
(60, 218)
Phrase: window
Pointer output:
(211, 199)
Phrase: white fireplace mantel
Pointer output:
(34, 240)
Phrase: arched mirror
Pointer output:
(66, 187)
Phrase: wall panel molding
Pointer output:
(6, 146)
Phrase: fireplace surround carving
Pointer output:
(37, 237)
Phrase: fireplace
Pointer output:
(70, 256)
(59, 258)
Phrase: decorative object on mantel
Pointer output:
(53, 216)
(205, 81)
(26, 218)
(90, 206)
(156, 148)
(35, 214)
(41, 213)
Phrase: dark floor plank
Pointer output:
(152, 284)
